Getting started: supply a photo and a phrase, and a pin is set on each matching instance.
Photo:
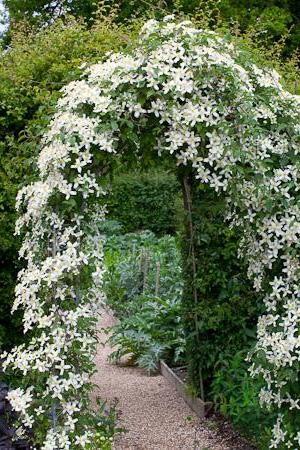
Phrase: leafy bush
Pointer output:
(144, 201)
(236, 394)
(105, 425)
(152, 330)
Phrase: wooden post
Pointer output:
(157, 280)
(145, 270)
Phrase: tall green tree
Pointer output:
(36, 11)
(272, 18)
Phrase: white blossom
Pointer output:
(238, 128)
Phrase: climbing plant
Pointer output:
(192, 97)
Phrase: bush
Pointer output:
(144, 201)
(153, 330)
(236, 394)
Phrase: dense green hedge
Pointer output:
(144, 201)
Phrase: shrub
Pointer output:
(219, 305)
(153, 330)
(236, 394)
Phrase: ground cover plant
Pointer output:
(234, 127)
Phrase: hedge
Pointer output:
(144, 201)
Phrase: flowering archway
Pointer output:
(198, 98)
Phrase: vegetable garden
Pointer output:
(190, 130)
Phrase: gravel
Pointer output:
(151, 411)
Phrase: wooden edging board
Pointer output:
(200, 407)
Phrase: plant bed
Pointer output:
(200, 407)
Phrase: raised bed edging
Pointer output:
(200, 407)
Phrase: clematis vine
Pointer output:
(207, 104)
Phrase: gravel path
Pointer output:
(154, 416)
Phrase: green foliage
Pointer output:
(143, 286)
(141, 263)
(39, 11)
(10, 328)
(105, 426)
(219, 306)
(152, 330)
(144, 201)
(236, 394)
(272, 19)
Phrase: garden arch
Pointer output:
(196, 98)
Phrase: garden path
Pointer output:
(154, 415)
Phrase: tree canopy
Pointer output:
(273, 18)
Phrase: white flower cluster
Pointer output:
(20, 400)
(209, 107)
